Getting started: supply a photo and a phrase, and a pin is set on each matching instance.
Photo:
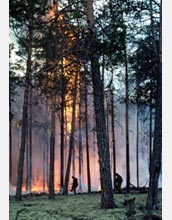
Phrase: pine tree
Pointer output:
(103, 145)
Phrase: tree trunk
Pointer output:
(30, 141)
(62, 132)
(107, 116)
(113, 137)
(27, 159)
(24, 125)
(103, 145)
(10, 142)
(80, 142)
(153, 43)
(52, 151)
(73, 161)
(29, 145)
(66, 139)
(45, 152)
(127, 125)
(87, 142)
(150, 132)
(44, 160)
(152, 199)
(137, 146)
(46, 146)
(71, 145)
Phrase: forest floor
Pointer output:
(82, 207)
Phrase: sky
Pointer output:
(167, 110)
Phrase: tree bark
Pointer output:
(24, 125)
(10, 142)
(103, 145)
(153, 43)
(29, 144)
(87, 142)
(113, 137)
(62, 131)
(150, 132)
(107, 116)
(71, 145)
(127, 125)
(52, 151)
(44, 160)
(27, 159)
(80, 141)
(30, 140)
(45, 151)
(137, 146)
(73, 162)
(152, 199)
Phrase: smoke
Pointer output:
(40, 147)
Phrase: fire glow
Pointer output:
(40, 168)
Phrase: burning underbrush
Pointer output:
(82, 207)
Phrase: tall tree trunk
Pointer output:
(30, 140)
(52, 150)
(29, 145)
(152, 199)
(24, 125)
(103, 145)
(71, 144)
(137, 145)
(94, 138)
(80, 141)
(27, 159)
(47, 146)
(73, 161)
(44, 160)
(103, 71)
(87, 142)
(62, 131)
(113, 137)
(153, 72)
(107, 116)
(150, 132)
(66, 139)
(127, 125)
(10, 142)
(45, 151)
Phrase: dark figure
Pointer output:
(118, 182)
(74, 184)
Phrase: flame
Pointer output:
(37, 180)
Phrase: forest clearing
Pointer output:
(82, 207)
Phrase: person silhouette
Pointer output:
(118, 182)
(74, 184)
